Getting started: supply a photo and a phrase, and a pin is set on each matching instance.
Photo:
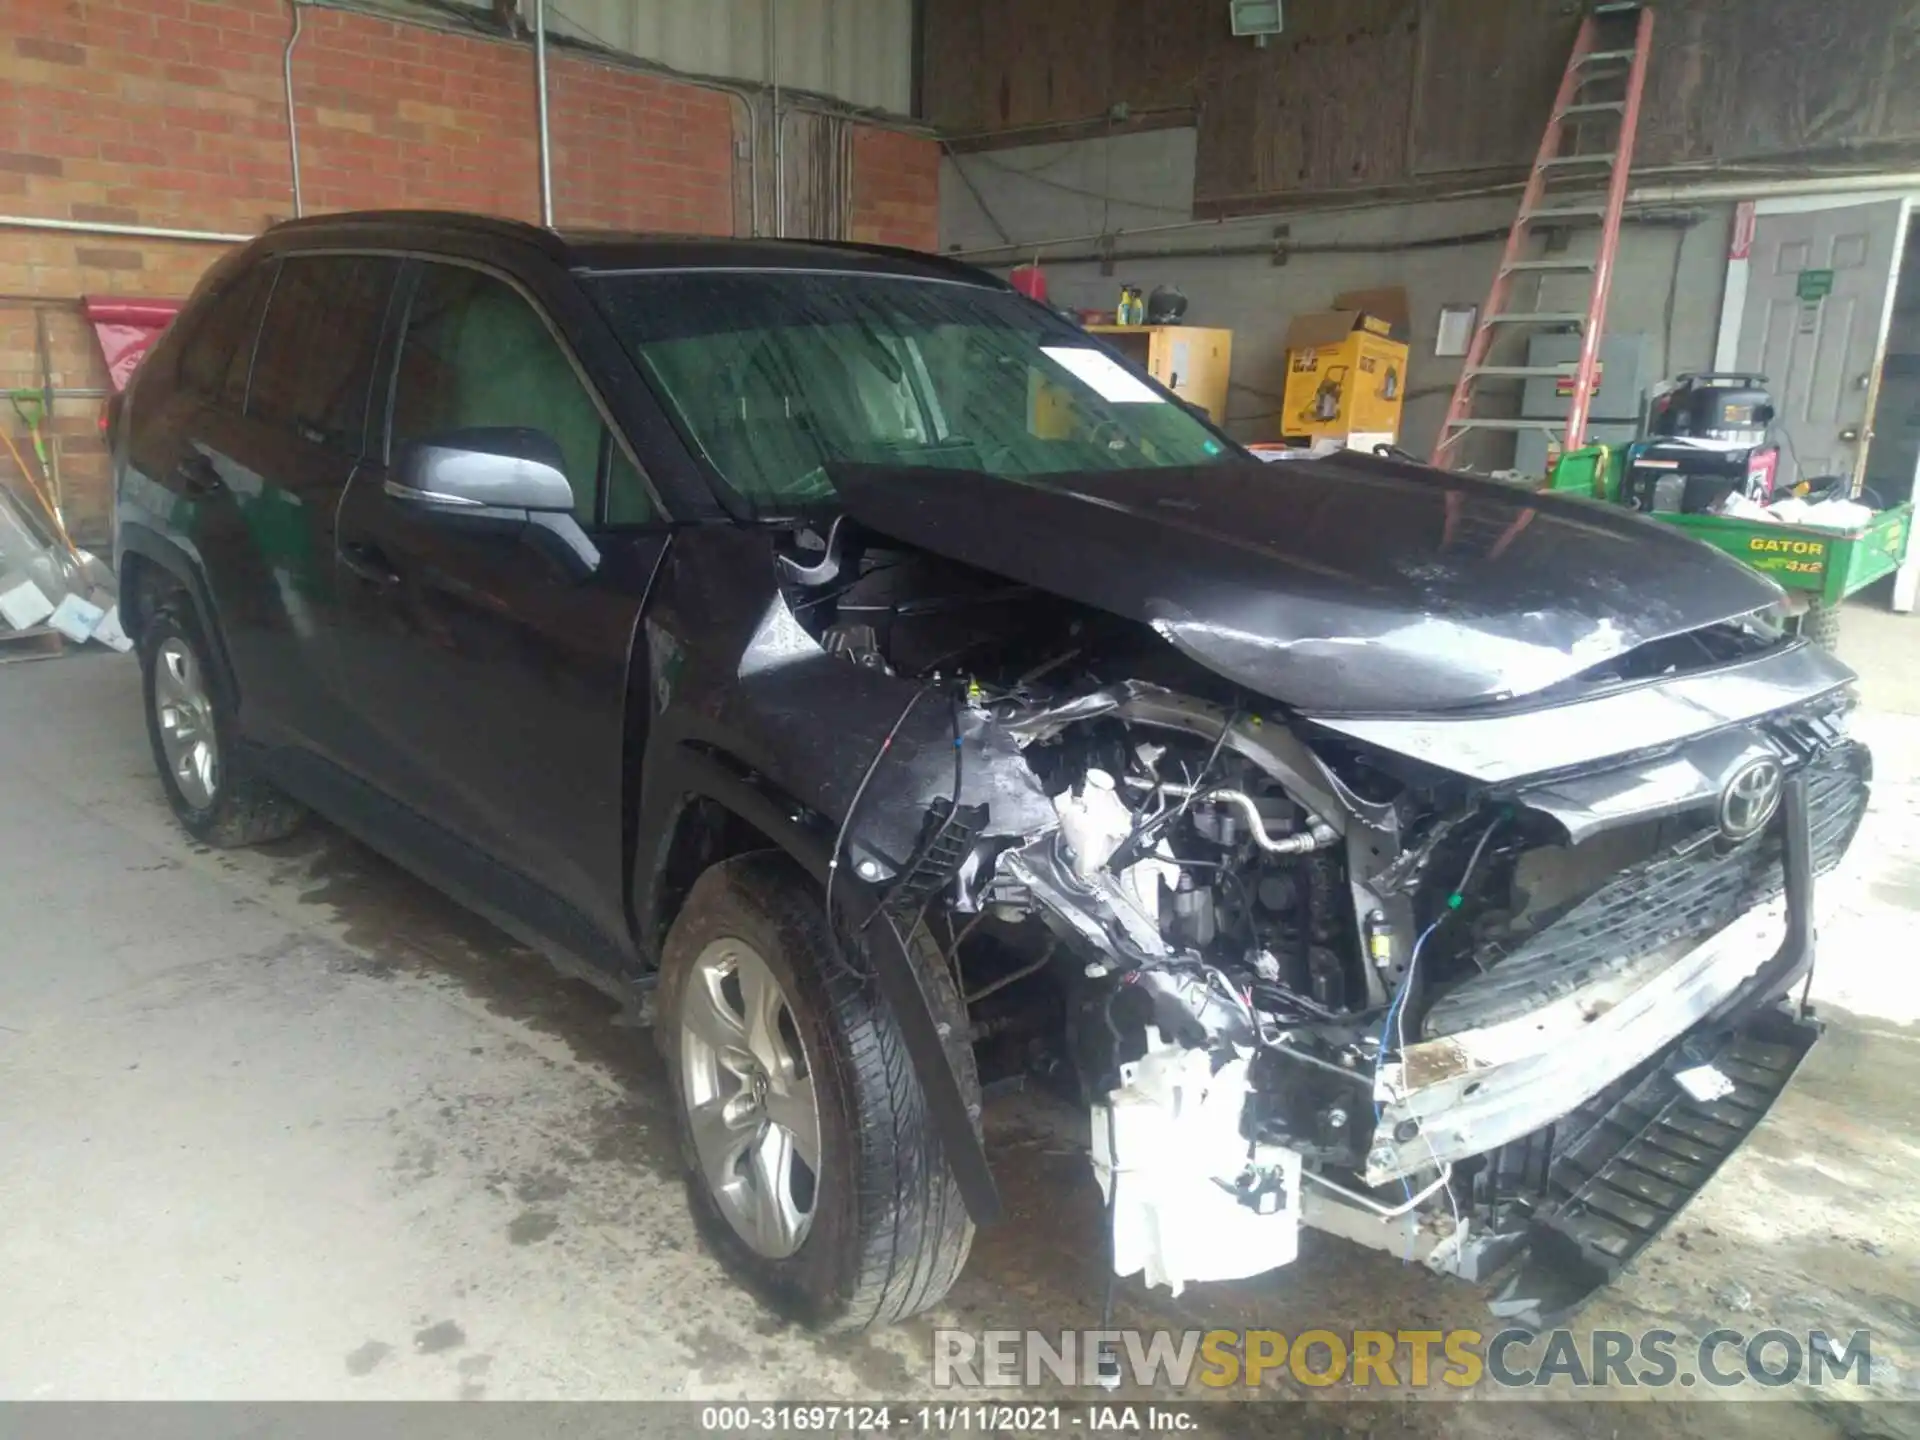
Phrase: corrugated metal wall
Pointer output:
(860, 51)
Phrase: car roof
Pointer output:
(606, 250)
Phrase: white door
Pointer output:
(1819, 290)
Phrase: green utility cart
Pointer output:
(1818, 568)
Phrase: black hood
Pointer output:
(1345, 585)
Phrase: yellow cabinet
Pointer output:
(1190, 360)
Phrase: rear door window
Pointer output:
(313, 368)
(218, 350)
(478, 355)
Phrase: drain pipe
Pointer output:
(293, 125)
(97, 227)
(750, 105)
(540, 90)
(779, 138)
(753, 159)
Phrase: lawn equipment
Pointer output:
(1707, 436)
(1325, 405)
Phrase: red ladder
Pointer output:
(1599, 62)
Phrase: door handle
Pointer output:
(369, 562)
(197, 475)
(1850, 434)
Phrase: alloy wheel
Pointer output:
(749, 1091)
(184, 710)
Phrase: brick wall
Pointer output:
(896, 189)
(172, 113)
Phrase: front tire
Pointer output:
(191, 726)
(813, 1166)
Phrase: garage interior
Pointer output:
(286, 1124)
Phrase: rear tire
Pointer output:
(885, 1230)
(190, 723)
(1821, 625)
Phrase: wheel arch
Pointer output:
(153, 567)
(756, 809)
(711, 808)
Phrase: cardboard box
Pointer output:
(1347, 368)
(109, 633)
(23, 604)
(75, 617)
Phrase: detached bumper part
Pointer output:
(1567, 1207)
(1475, 1090)
(957, 1122)
(1626, 1163)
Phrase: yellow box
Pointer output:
(1346, 374)
(1193, 361)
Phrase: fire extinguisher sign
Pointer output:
(1563, 387)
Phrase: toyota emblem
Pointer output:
(1750, 798)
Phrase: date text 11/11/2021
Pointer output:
(988, 1418)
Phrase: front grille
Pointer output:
(1677, 897)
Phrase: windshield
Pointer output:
(777, 376)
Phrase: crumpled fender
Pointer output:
(733, 671)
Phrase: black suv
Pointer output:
(883, 682)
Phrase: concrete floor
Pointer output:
(285, 1123)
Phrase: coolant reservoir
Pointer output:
(1093, 823)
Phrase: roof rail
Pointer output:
(949, 263)
(494, 225)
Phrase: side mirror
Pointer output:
(493, 468)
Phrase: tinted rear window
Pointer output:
(218, 350)
(314, 365)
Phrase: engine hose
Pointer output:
(1317, 836)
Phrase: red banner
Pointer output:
(127, 330)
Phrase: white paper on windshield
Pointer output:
(1103, 374)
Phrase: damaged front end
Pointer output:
(1496, 984)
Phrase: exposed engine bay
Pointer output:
(1305, 968)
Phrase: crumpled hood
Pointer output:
(1348, 585)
